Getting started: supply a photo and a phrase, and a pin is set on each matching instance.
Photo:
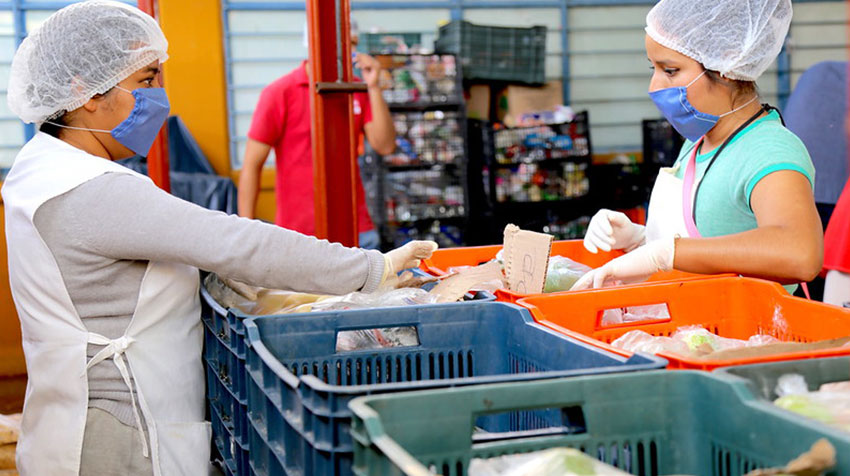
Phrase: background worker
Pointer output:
(281, 122)
(739, 198)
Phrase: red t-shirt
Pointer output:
(836, 240)
(282, 120)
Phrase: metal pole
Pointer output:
(331, 114)
(158, 164)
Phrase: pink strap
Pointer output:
(687, 193)
(688, 202)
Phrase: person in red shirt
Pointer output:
(836, 246)
(282, 121)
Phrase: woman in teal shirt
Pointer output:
(739, 199)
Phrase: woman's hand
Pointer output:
(632, 267)
(612, 230)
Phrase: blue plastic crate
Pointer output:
(300, 387)
(232, 450)
(224, 354)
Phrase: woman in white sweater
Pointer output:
(104, 265)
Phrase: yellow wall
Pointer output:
(196, 84)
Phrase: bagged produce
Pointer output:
(551, 462)
(562, 273)
(830, 404)
(690, 341)
(258, 301)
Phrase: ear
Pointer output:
(92, 104)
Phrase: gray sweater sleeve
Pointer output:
(123, 217)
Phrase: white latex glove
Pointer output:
(613, 230)
(405, 257)
(632, 267)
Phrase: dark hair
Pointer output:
(53, 129)
(740, 89)
(63, 118)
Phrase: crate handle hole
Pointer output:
(527, 424)
(376, 338)
(631, 315)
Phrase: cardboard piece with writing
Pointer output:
(526, 255)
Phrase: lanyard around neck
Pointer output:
(693, 211)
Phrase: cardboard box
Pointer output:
(478, 102)
(514, 101)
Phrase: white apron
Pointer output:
(160, 350)
(671, 203)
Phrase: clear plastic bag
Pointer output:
(562, 273)
(259, 301)
(265, 302)
(551, 462)
(388, 298)
(640, 341)
(830, 404)
(690, 341)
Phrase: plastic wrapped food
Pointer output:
(551, 462)
(563, 273)
(390, 298)
(830, 404)
(257, 301)
(690, 341)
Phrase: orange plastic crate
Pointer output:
(444, 259)
(729, 307)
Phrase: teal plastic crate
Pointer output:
(496, 53)
(300, 385)
(646, 423)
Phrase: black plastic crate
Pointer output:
(388, 43)
(496, 53)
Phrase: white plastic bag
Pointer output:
(829, 405)
(551, 462)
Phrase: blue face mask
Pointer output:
(686, 119)
(141, 127)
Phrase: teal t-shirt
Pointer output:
(764, 147)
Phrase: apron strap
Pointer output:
(115, 349)
(687, 193)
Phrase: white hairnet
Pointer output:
(81, 50)
(737, 38)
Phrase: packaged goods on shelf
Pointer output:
(430, 137)
(419, 79)
(537, 183)
(423, 194)
(533, 144)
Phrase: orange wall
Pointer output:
(11, 353)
